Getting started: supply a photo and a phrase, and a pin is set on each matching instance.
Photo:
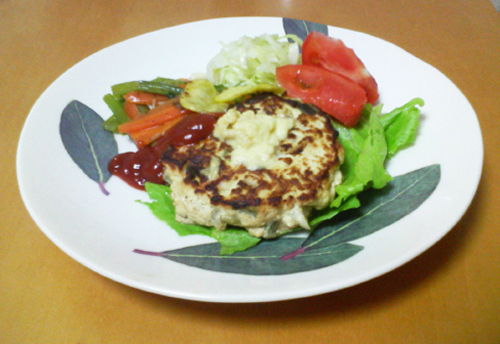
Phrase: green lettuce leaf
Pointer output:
(365, 150)
(401, 126)
(367, 147)
(231, 240)
(329, 212)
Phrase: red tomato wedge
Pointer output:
(333, 93)
(332, 54)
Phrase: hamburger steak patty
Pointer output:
(210, 188)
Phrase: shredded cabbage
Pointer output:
(252, 61)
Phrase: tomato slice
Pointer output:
(333, 93)
(332, 54)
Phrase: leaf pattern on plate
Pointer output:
(302, 28)
(262, 259)
(328, 243)
(90, 146)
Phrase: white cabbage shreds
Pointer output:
(252, 61)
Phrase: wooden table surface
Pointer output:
(449, 294)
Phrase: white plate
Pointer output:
(101, 232)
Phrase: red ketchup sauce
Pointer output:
(144, 165)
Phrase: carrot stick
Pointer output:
(131, 110)
(145, 137)
(163, 113)
(144, 98)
